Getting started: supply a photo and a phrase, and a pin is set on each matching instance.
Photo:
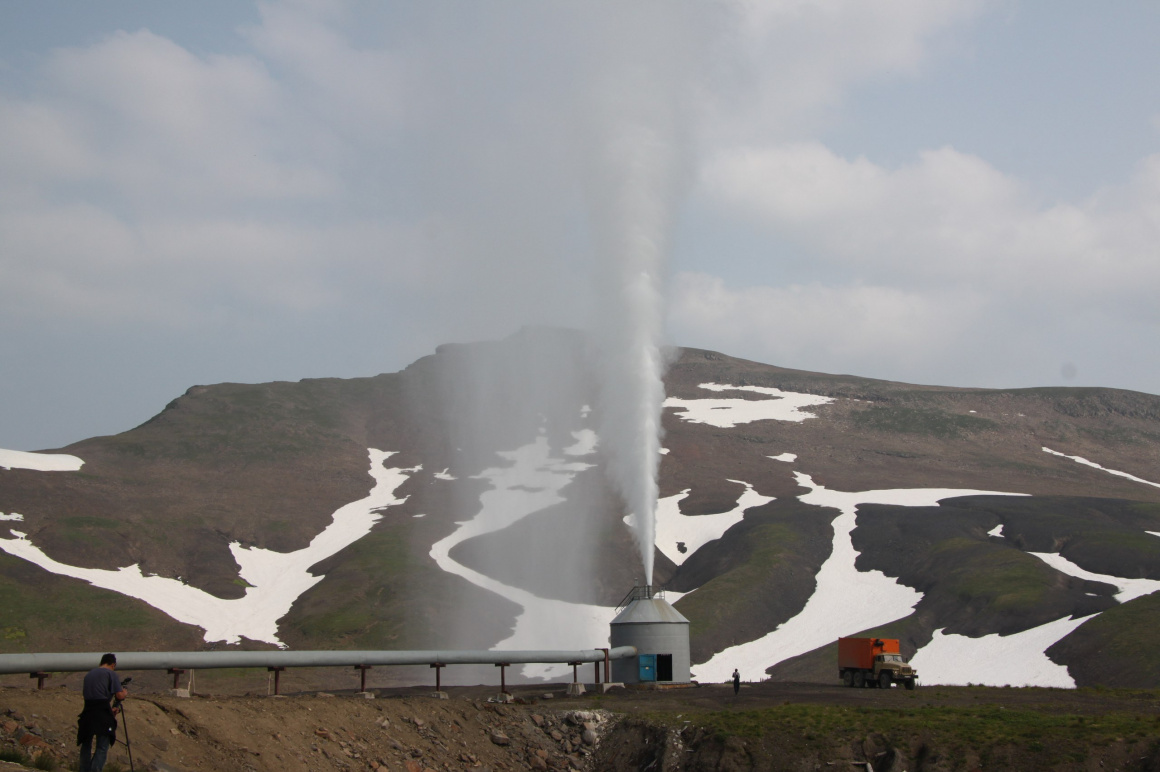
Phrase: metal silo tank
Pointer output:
(660, 634)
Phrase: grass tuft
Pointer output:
(44, 761)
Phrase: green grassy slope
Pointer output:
(1117, 648)
(41, 612)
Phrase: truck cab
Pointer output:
(889, 668)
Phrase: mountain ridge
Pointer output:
(266, 466)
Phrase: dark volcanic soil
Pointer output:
(770, 726)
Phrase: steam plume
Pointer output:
(638, 173)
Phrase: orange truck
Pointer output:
(873, 662)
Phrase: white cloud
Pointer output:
(152, 123)
(426, 165)
(789, 62)
(948, 217)
(142, 182)
(360, 91)
(82, 262)
(860, 329)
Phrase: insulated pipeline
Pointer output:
(206, 660)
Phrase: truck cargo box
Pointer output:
(860, 652)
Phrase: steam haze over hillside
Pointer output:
(957, 192)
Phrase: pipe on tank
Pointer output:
(208, 660)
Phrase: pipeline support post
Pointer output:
(438, 671)
(176, 673)
(596, 673)
(277, 671)
(39, 676)
(362, 683)
(575, 689)
(607, 668)
(502, 679)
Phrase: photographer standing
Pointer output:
(98, 719)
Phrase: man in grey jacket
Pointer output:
(98, 719)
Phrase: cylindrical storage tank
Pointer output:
(660, 635)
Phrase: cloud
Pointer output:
(946, 218)
(433, 167)
(941, 270)
(141, 182)
(857, 329)
(785, 65)
(360, 92)
(154, 125)
(89, 264)
(446, 151)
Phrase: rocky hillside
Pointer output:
(808, 504)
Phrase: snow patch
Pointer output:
(674, 529)
(1094, 465)
(727, 413)
(846, 600)
(585, 444)
(532, 482)
(996, 660)
(1129, 589)
(14, 516)
(275, 579)
(997, 531)
(444, 475)
(788, 458)
(39, 462)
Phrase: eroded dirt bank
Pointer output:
(768, 727)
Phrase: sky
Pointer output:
(956, 192)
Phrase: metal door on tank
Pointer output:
(664, 667)
(648, 667)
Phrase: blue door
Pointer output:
(648, 667)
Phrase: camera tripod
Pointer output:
(120, 705)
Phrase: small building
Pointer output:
(660, 635)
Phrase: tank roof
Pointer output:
(644, 611)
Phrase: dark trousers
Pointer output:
(94, 761)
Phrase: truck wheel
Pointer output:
(847, 678)
(884, 680)
(859, 680)
(910, 684)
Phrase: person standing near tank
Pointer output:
(736, 682)
(99, 717)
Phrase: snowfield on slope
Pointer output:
(39, 462)
(277, 579)
(727, 413)
(1127, 589)
(531, 483)
(1094, 465)
(845, 600)
(676, 530)
(996, 660)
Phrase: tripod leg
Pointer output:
(128, 745)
